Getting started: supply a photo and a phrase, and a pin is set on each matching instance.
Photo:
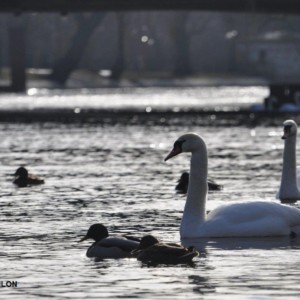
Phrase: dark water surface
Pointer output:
(114, 173)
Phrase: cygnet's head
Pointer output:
(96, 232)
(289, 129)
(189, 142)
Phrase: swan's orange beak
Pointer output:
(175, 151)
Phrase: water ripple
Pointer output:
(116, 175)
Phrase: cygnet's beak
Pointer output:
(175, 151)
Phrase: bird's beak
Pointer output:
(84, 238)
(175, 151)
(136, 251)
(286, 133)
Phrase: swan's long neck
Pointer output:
(288, 187)
(194, 210)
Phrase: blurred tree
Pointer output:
(118, 66)
(181, 44)
(64, 66)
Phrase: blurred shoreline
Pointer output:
(155, 118)
(81, 79)
(203, 100)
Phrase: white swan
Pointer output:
(290, 178)
(242, 219)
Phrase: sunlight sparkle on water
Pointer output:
(139, 98)
(114, 173)
(32, 91)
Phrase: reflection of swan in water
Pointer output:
(203, 244)
(239, 219)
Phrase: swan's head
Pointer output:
(96, 232)
(189, 142)
(289, 129)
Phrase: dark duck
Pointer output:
(183, 183)
(151, 250)
(23, 178)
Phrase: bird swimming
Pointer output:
(290, 177)
(151, 250)
(183, 183)
(106, 246)
(233, 219)
(23, 178)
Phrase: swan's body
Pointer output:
(242, 219)
(23, 178)
(290, 178)
(151, 250)
(106, 246)
(183, 183)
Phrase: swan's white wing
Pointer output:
(249, 211)
(253, 218)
